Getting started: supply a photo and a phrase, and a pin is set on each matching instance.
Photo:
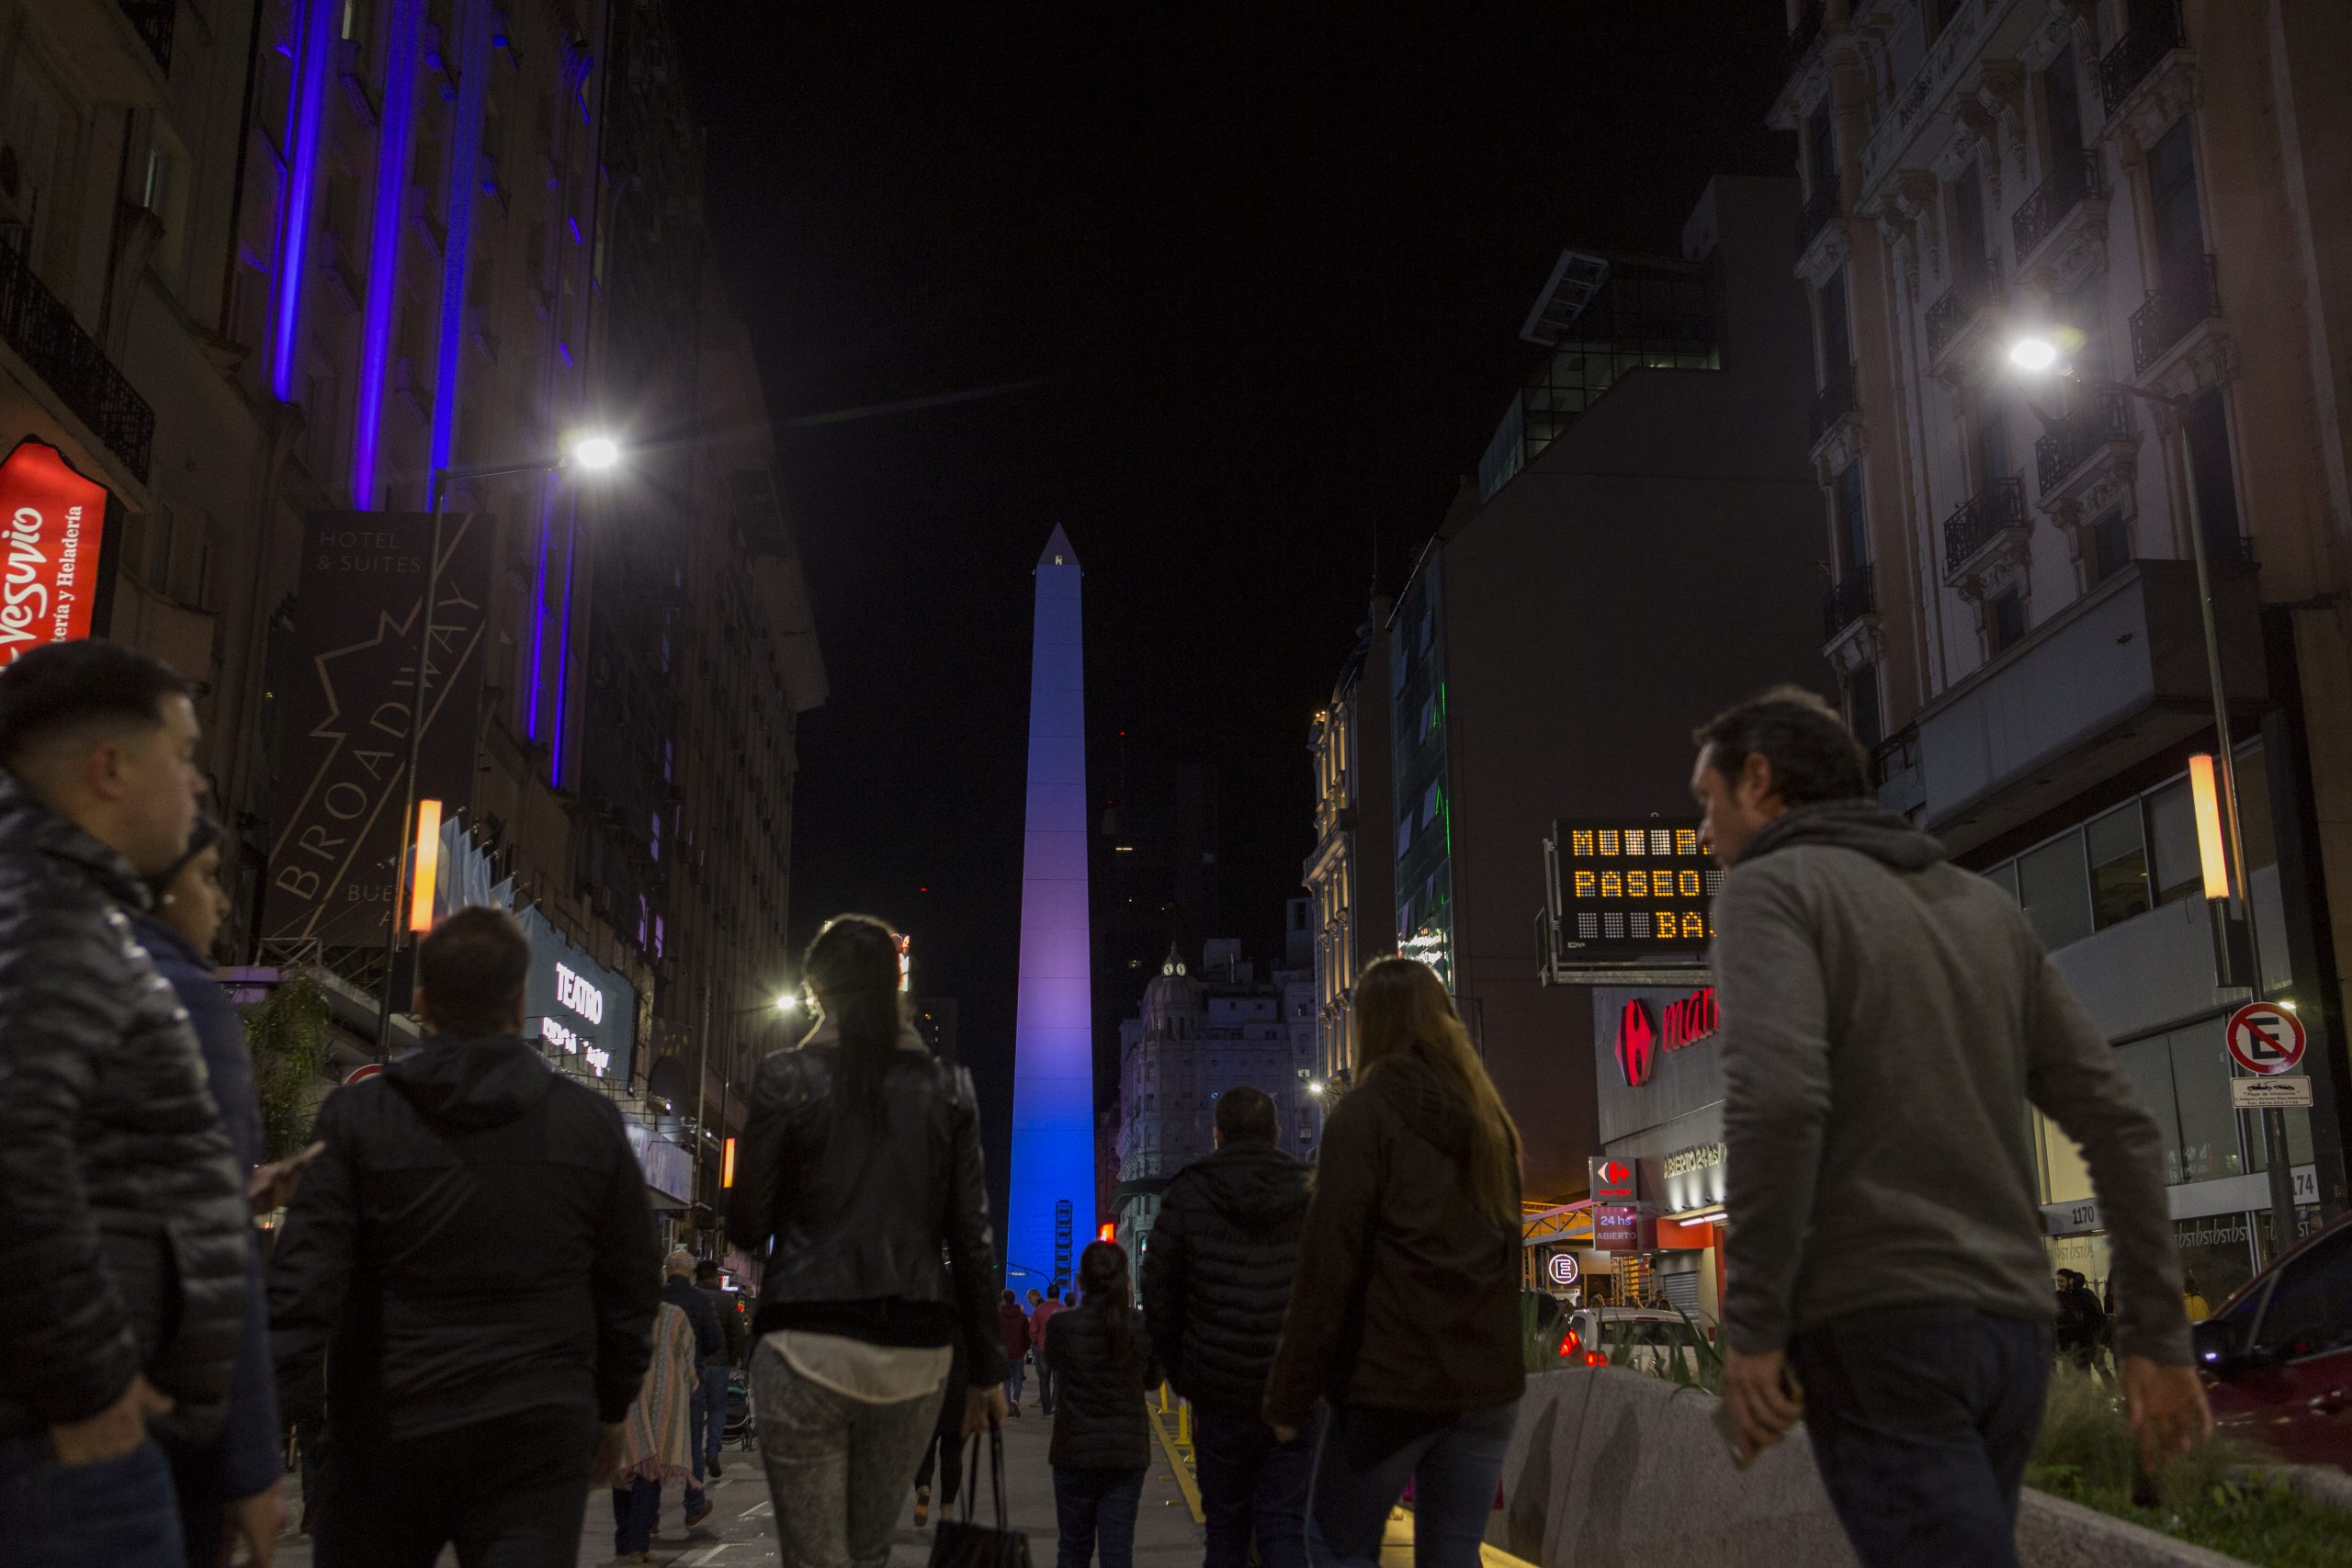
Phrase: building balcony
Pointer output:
(1954, 318)
(2074, 179)
(1991, 517)
(1820, 209)
(2098, 428)
(1835, 401)
(152, 20)
(2111, 679)
(2187, 295)
(2152, 31)
(1847, 600)
(36, 324)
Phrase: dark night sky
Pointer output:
(1269, 277)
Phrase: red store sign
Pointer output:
(53, 520)
(1639, 1042)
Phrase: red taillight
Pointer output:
(1595, 1359)
(1570, 1343)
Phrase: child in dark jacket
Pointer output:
(1103, 1366)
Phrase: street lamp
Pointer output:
(593, 451)
(2040, 355)
(787, 1004)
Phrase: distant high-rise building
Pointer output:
(1351, 876)
(1050, 1211)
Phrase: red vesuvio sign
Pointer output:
(1689, 1020)
(53, 520)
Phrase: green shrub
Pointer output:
(287, 1035)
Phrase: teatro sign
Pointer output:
(584, 1013)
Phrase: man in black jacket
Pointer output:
(123, 1197)
(1215, 1280)
(475, 1249)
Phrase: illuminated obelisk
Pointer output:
(1052, 1209)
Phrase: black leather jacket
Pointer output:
(878, 1224)
(124, 1235)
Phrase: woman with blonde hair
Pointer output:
(1404, 1315)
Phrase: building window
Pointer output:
(1428, 804)
(2004, 620)
(1853, 526)
(2054, 883)
(2062, 97)
(1862, 706)
(2108, 548)
(1992, 444)
(2119, 860)
(2173, 207)
(1821, 148)
(2205, 427)
(1837, 339)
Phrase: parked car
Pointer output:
(2278, 1358)
(1648, 1339)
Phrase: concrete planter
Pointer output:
(1613, 1469)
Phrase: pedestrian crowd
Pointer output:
(464, 1316)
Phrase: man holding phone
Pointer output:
(1887, 1020)
(124, 1232)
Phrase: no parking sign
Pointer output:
(2266, 1038)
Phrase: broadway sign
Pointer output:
(332, 868)
(56, 519)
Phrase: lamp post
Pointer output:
(2038, 356)
(785, 1006)
(594, 453)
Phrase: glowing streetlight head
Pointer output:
(595, 452)
(787, 1003)
(1315, 1087)
(2033, 354)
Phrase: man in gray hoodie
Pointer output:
(1887, 1019)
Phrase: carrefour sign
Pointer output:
(584, 1014)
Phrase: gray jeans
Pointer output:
(838, 1468)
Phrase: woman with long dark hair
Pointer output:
(1404, 1314)
(860, 1172)
(1102, 1367)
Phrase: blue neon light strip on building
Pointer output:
(402, 41)
(314, 42)
(465, 178)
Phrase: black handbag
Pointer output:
(960, 1543)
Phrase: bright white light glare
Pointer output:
(787, 1003)
(1315, 1087)
(2033, 354)
(595, 452)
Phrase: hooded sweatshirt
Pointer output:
(475, 1241)
(1217, 1276)
(1887, 1019)
(1408, 1295)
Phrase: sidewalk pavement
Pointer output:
(739, 1533)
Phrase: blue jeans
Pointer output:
(1014, 1379)
(1368, 1453)
(637, 1508)
(1922, 1421)
(1045, 1386)
(121, 1512)
(712, 1433)
(1096, 1508)
(1251, 1485)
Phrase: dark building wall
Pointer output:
(1586, 609)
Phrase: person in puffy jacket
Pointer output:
(1405, 1313)
(861, 1175)
(126, 1229)
(476, 1245)
(236, 1483)
(1103, 1366)
(1215, 1280)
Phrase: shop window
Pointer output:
(2119, 861)
(2299, 1139)
(2054, 886)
